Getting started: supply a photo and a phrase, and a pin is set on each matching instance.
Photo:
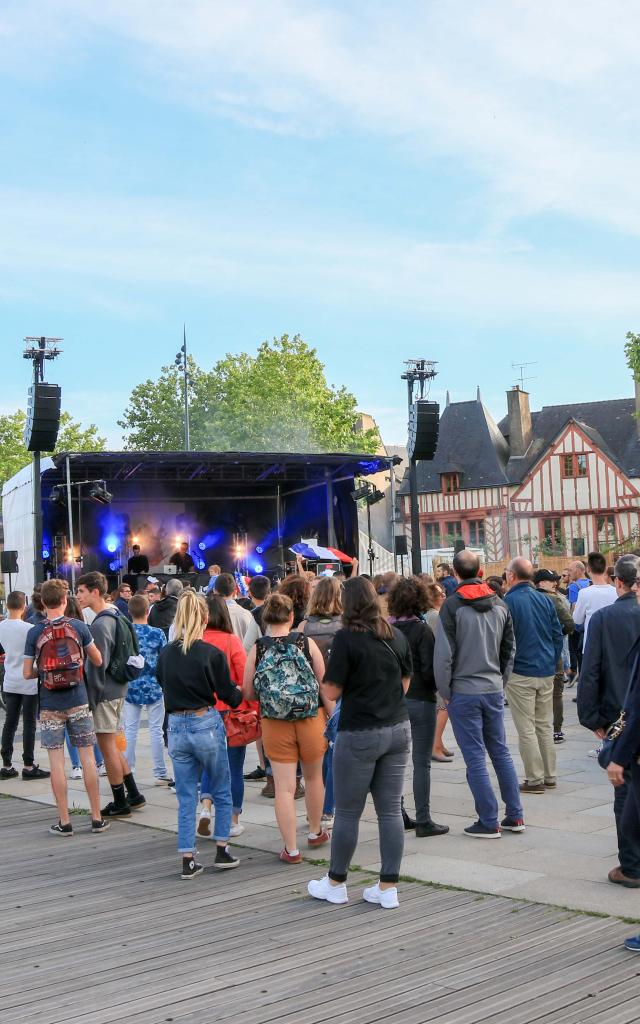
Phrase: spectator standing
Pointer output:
(297, 587)
(214, 571)
(370, 669)
(243, 622)
(53, 653)
(577, 580)
(408, 602)
(193, 675)
(163, 612)
(445, 578)
(259, 590)
(473, 658)
(120, 599)
(146, 692)
(546, 581)
(437, 597)
(529, 688)
(608, 660)
(20, 694)
(599, 595)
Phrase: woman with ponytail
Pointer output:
(193, 676)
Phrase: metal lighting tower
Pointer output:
(418, 371)
(181, 362)
(38, 350)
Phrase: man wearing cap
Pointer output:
(603, 685)
(546, 581)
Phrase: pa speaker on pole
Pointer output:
(43, 418)
(424, 424)
(9, 562)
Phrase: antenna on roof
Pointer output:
(522, 367)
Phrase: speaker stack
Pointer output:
(9, 562)
(43, 417)
(424, 425)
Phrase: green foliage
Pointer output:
(71, 438)
(277, 400)
(632, 353)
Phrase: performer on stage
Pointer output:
(138, 563)
(182, 559)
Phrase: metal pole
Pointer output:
(416, 553)
(331, 528)
(279, 526)
(370, 551)
(38, 571)
(187, 439)
(79, 486)
(70, 521)
(393, 516)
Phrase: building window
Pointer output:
(453, 532)
(450, 483)
(552, 538)
(606, 530)
(431, 535)
(574, 465)
(476, 532)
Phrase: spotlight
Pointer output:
(114, 566)
(46, 553)
(69, 555)
(98, 492)
(375, 496)
(360, 492)
(202, 545)
(135, 540)
(58, 495)
(259, 549)
(258, 568)
(201, 564)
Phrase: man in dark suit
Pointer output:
(604, 677)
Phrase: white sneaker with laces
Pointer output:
(386, 898)
(102, 770)
(76, 773)
(236, 830)
(323, 889)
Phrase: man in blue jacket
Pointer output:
(530, 686)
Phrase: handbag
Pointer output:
(605, 757)
(242, 726)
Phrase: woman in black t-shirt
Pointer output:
(408, 601)
(370, 668)
(193, 674)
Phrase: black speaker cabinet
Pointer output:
(424, 424)
(401, 544)
(43, 418)
(9, 562)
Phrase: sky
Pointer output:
(446, 179)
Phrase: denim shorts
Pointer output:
(78, 721)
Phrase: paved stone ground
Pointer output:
(562, 859)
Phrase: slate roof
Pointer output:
(469, 443)
(611, 425)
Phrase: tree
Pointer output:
(72, 437)
(632, 352)
(277, 400)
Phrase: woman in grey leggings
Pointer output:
(370, 668)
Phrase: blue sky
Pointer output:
(447, 179)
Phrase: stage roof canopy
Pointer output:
(234, 467)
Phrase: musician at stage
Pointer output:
(138, 563)
(182, 560)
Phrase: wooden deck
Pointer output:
(100, 928)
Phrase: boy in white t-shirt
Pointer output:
(20, 694)
(599, 595)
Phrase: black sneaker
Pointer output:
(190, 868)
(100, 826)
(479, 831)
(113, 810)
(9, 772)
(61, 830)
(136, 802)
(428, 829)
(225, 859)
(512, 824)
(35, 773)
(558, 737)
(257, 775)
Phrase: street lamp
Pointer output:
(182, 363)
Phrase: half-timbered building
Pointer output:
(564, 480)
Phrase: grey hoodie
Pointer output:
(100, 685)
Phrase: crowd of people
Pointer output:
(340, 683)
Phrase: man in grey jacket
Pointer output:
(473, 657)
(106, 696)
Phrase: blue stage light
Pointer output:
(112, 543)
(114, 566)
(259, 549)
(257, 568)
(46, 553)
(201, 564)
(202, 545)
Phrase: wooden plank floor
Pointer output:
(100, 928)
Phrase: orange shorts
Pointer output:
(290, 742)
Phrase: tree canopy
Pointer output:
(72, 437)
(632, 352)
(277, 400)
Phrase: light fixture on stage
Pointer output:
(98, 492)
(202, 545)
(46, 553)
(58, 495)
(360, 492)
(259, 550)
(258, 569)
(375, 496)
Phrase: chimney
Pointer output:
(638, 407)
(519, 420)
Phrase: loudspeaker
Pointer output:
(424, 424)
(458, 546)
(43, 418)
(9, 562)
(401, 544)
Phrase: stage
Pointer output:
(229, 507)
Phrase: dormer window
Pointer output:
(574, 465)
(450, 483)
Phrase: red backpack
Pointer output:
(59, 656)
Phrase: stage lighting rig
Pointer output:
(98, 492)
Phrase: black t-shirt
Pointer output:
(257, 614)
(183, 563)
(195, 679)
(138, 564)
(421, 642)
(371, 678)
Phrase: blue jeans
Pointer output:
(478, 725)
(236, 757)
(75, 756)
(132, 714)
(196, 743)
(327, 778)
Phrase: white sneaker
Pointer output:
(595, 751)
(102, 770)
(76, 773)
(387, 898)
(236, 830)
(322, 889)
(326, 820)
